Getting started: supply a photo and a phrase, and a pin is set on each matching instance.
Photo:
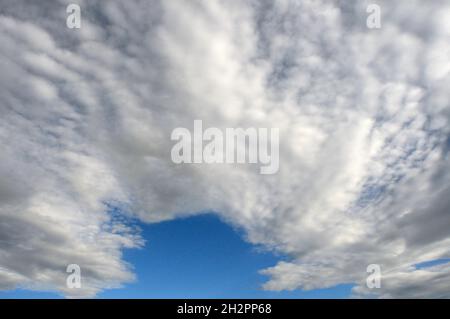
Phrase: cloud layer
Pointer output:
(364, 137)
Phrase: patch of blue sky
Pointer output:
(431, 263)
(197, 257)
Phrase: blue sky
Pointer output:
(196, 257)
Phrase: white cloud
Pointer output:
(87, 116)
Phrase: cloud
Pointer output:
(363, 115)
(410, 283)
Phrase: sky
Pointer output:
(196, 257)
(86, 175)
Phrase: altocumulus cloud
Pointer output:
(86, 117)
